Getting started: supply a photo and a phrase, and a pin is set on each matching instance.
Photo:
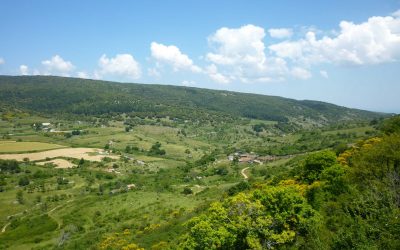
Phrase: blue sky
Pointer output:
(344, 52)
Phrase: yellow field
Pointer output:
(19, 147)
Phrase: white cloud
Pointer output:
(173, 56)
(2, 61)
(212, 72)
(240, 53)
(82, 74)
(238, 45)
(57, 66)
(24, 70)
(301, 73)
(372, 42)
(188, 83)
(324, 74)
(122, 65)
(280, 33)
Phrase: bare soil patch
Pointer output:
(60, 163)
(90, 154)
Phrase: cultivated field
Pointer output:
(60, 163)
(17, 147)
(91, 154)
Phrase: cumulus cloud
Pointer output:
(240, 53)
(57, 66)
(323, 73)
(24, 70)
(122, 65)
(372, 42)
(2, 61)
(238, 45)
(173, 56)
(213, 73)
(280, 33)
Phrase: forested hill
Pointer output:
(49, 94)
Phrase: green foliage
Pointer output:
(391, 125)
(335, 179)
(156, 149)
(187, 190)
(311, 203)
(205, 159)
(10, 166)
(20, 197)
(264, 218)
(23, 181)
(88, 97)
(340, 148)
(241, 186)
(62, 181)
(315, 163)
(222, 170)
(28, 228)
(259, 127)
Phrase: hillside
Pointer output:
(49, 94)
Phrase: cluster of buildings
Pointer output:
(251, 158)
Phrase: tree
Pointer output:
(20, 197)
(156, 149)
(316, 163)
(335, 179)
(392, 125)
(23, 181)
(76, 132)
(81, 162)
(222, 170)
(264, 218)
(187, 190)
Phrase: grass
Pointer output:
(28, 229)
(23, 147)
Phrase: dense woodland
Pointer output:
(49, 94)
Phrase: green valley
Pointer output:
(90, 164)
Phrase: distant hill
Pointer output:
(50, 94)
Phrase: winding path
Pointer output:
(5, 227)
(243, 173)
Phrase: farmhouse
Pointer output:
(247, 158)
(252, 158)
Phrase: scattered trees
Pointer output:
(156, 149)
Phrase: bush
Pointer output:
(316, 163)
(23, 181)
(156, 149)
(187, 191)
